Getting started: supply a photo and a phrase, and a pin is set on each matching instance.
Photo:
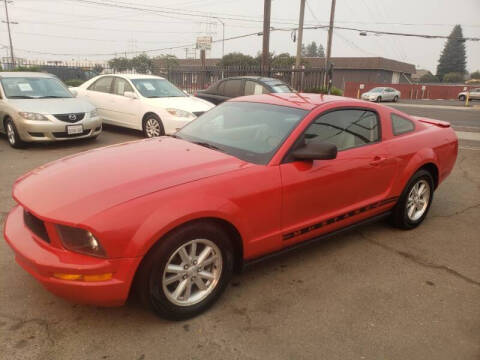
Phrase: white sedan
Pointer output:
(143, 102)
(379, 94)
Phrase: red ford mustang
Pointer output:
(173, 217)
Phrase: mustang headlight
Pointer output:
(32, 116)
(80, 240)
(180, 113)
(93, 113)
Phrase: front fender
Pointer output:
(180, 211)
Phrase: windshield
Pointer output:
(281, 88)
(376, 90)
(250, 131)
(157, 88)
(34, 88)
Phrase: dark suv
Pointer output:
(242, 85)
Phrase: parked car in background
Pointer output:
(172, 219)
(37, 107)
(379, 94)
(232, 87)
(143, 102)
(473, 94)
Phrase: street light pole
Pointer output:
(9, 34)
(298, 59)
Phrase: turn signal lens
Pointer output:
(80, 277)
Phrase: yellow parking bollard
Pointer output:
(358, 94)
(467, 98)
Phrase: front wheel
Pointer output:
(395, 99)
(152, 126)
(415, 201)
(12, 134)
(379, 99)
(186, 272)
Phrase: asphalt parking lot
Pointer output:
(374, 293)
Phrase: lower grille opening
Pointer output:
(36, 134)
(35, 225)
(198, 113)
(64, 134)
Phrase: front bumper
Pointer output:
(55, 130)
(172, 124)
(42, 260)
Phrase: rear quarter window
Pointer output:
(401, 125)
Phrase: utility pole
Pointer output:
(9, 34)
(223, 36)
(266, 34)
(329, 44)
(298, 59)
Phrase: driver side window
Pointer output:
(346, 129)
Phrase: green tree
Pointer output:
(237, 59)
(98, 68)
(428, 78)
(453, 77)
(321, 51)
(142, 64)
(453, 58)
(475, 75)
(119, 64)
(169, 61)
(312, 49)
(282, 60)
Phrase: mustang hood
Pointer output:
(79, 186)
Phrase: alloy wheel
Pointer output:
(192, 272)
(418, 199)
(11, 133)
(152, 127)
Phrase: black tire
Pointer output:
(400, 216)
(379, 99)
(150, 274)
(462, 98)
(145, 125)
(395, 99)
(14, 140)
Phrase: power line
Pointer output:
(363, 31)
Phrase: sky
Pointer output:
(76, 30)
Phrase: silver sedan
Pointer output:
(37, 107)
(379, 94)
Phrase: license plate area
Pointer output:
(74, 129)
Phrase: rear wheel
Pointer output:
(186, 272)
(395, 99)
(152, 126)
(415, 201)
(379, 99)
(462, 98)
(12, 134)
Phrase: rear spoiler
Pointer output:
(439, 123)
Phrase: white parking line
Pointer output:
(469, 148)
(464, 135)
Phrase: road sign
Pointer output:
(204, 42)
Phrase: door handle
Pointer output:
(377, 160)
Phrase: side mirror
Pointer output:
(130, 95)
(74, 92)
(316, 151)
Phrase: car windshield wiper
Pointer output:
(208, 145)
(21, 97)
(52, 97)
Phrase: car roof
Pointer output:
(12, 74)
(135, 76)
(298, 100)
